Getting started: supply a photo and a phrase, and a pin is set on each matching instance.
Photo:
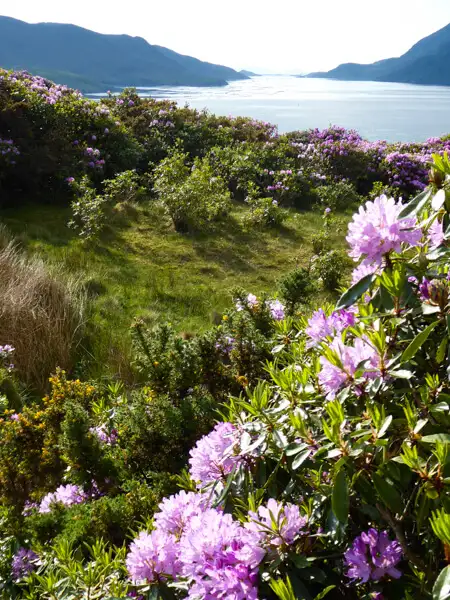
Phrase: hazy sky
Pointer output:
(271, 36)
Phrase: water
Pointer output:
(389, 111)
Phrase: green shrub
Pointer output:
(338, 196)
(296, 287)
(88, 210)
(264, 212)
(330, 268)
(193, 198)
(156, 433)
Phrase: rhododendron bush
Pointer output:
(333, 477)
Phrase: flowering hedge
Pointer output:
(51, 134)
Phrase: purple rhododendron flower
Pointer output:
(177, 511)
(362, 270)
(226, 345)
(333, 377)
(320, 326)
(65, 494)
(435, 291)
(373, 556)
(436, 234)
(220, 557)
(103, 436)
(252, 300)
(288, 521)
(23, 563)
(152, 556)
(214, 457)
(277, 310)
(377, 230)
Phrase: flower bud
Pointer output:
(437, 178)
(435, 292)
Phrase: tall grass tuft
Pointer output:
(41, 314)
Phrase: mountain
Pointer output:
(248, 73)
(426, 63)
(96, 62)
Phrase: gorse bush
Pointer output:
(296, 287)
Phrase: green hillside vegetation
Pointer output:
(205, 390)
(142, 268)
(94, 62)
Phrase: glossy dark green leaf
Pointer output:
(388, 493)
(418, 342)
(444, 438)
(340, 497)
(416, 204)
(441, 351)
(355, 292)
(441, 588)
(300, 458)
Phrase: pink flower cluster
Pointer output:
(350, 359)
(215, 455)
(217, 556)
(321, 327)
(376, 230)
(64, 494)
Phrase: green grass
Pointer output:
(142, 268)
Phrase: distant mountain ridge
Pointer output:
(426, 63)
(95, 62)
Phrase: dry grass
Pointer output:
(41, 314)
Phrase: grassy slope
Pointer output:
(142, 267)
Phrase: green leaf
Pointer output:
(300, 458)
(340, 498)
(385, 426)
(440, 354)
(387, 493)
(401, 374)
(438, 200)
(438, 253)
(416, 204)
(418, 342)
(294, 448)
(355, 292)
(444, 438)
(324, 592)
(441, 588)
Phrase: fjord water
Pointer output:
(389, 111)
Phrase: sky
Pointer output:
(282, 36)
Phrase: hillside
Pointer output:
(92, 61)
(425, 63)
(168, 321)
